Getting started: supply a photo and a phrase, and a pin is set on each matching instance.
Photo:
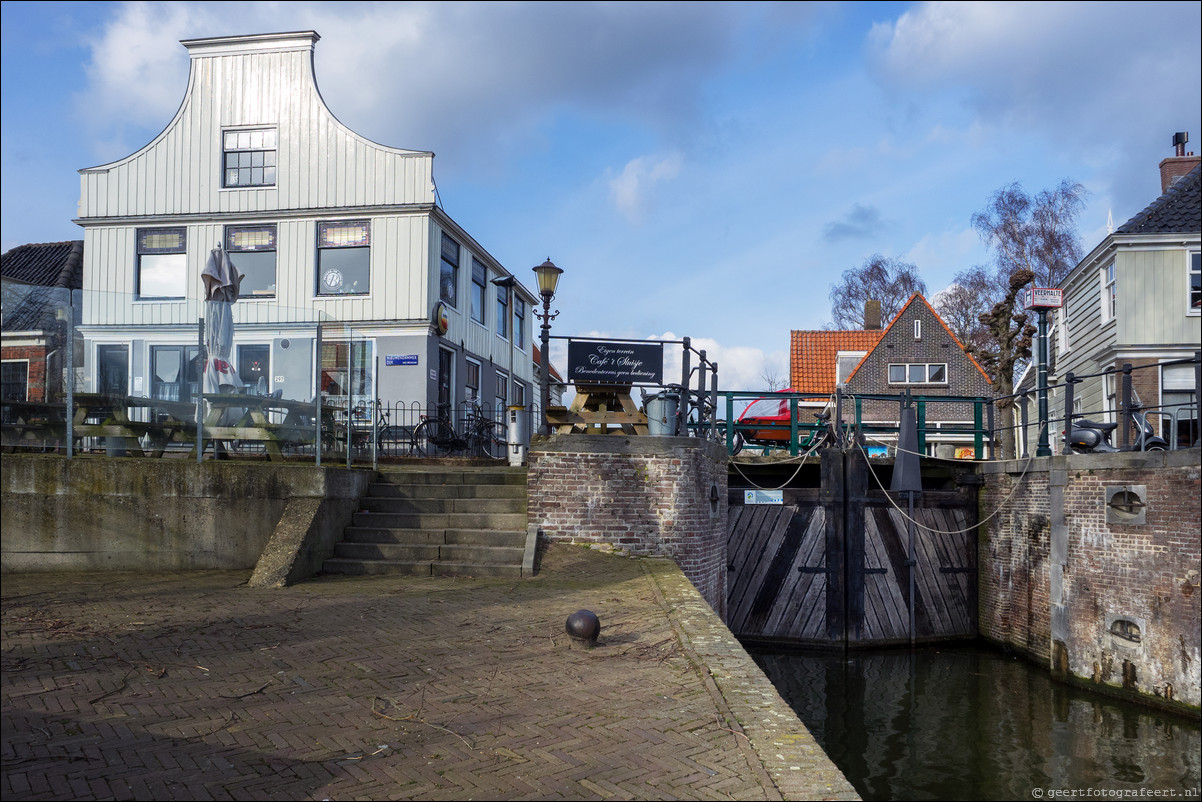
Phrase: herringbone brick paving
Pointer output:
(192, 685)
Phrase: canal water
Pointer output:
(972, 723)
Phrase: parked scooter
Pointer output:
(1092, 437)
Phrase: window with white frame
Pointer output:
(519, 321)
(845, 363)
(1195, 283)
(1109, 293)
(918, 329)
(1062, 344)
(1110, 411)
(479, 283)
(252, 250)
(918, 373)
(1177, 400)
(519, 394)
(162, 262)
(249, 157)
(344, 258)
(448, 273)
(14, 380)
(471, 383)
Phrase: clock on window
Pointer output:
(332, 279)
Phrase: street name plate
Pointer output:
(400, 359)
(1042, 298)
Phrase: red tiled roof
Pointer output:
(538, 360)
(813, 356)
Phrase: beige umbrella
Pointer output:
(222, 281)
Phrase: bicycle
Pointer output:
(437, 436)
(391, 441)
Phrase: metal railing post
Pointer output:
(685, 375)
(317, 398)
(1197, 395)
(990, 424)
(838, 421)
(713, 397)
(200, 391)
(1126, 411)
(921, 418)
(1070, 391)
(1025, 418)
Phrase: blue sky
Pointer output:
(700, 169)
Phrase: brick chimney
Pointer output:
(872, 315)
(1178, 165)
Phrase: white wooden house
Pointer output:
(1136, 299)
(326, 226)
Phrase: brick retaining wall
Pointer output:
(641, 496)
(1061, 578)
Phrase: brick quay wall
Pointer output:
(639, 496)
(1092, 569)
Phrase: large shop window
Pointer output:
(345, 371)
(162, 262)
(250, 158)
(252, 250)
(343, 258)
(175, 372)
(448, 275)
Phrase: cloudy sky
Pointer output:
(701, 169)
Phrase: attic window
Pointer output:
(918, 373)
(250, 157)
(845, 363)
(918, 329)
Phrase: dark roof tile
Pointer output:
(1177, 211)
(45, 264)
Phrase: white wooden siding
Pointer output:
(321, 163)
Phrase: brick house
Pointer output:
(37, 282)
(1136, 298)
(915, 352)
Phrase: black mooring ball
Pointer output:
(584, 624)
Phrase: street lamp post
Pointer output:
(548, 278)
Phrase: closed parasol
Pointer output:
(221, 280)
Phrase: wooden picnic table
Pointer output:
(260, 419)
(166, 422)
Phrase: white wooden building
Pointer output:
(325, 225)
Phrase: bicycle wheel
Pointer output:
(394, 441)
(434, 438)
(489, 441)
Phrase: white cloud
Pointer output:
(1037, 69)
(630, 189)
(475, 81)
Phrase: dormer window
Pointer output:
(250, 157)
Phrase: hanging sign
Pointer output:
(593, 362)
(1043, 298)
(442, 320)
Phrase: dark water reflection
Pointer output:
(970, 723)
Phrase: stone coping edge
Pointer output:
(796, 765)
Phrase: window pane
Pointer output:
(939, 373)
(335, 235)
(258, 267)
(897, 373)
(344, 271)
(917, 373)
(162, 275)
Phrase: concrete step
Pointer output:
(387, 551)
(437, 537)
(422, 506)
(455, 475)
(338, 565)
(413, 490)
(514, 521)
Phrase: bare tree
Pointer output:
(972, 293)
(772, 380)
(890, 281)
(1034, 240)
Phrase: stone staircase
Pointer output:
(438, 520)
